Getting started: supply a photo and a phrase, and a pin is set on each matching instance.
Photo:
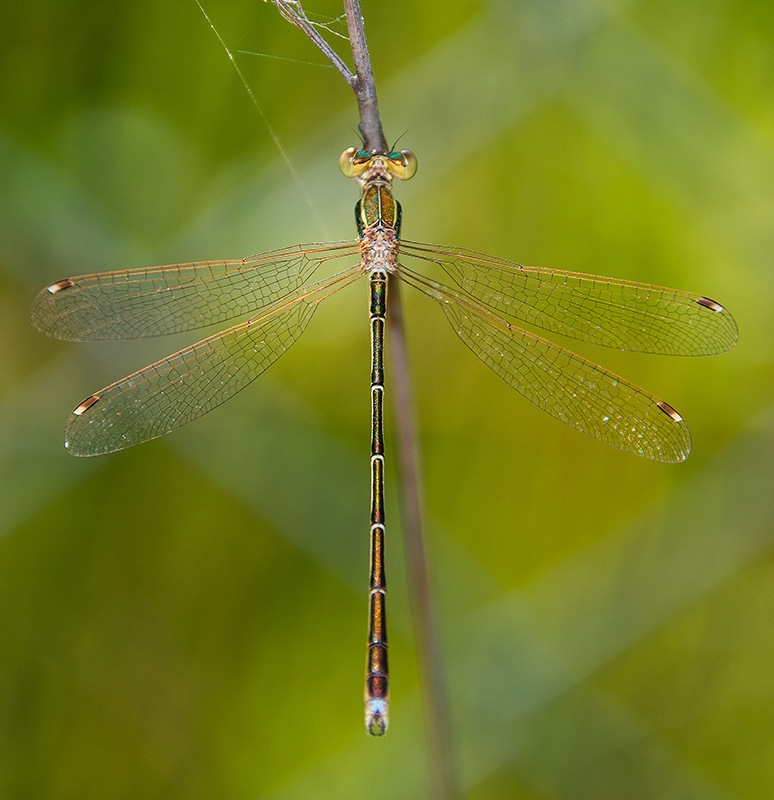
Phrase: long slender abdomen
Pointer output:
(377, 672)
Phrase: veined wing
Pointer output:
(615, 313)
(570, 388)
(154, 301)
(187, 384)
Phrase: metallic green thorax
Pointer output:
(377, 206)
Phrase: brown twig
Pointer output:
(428, 651)
(364, 86)
(412, 515)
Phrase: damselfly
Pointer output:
(271, 290)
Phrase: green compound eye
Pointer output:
(353, 162)
(402, 164)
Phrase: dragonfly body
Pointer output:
(377, 215)
(489, 299)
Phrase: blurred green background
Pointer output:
(187, 619)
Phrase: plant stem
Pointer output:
(437, 722)
(364, 86)
(436, 707)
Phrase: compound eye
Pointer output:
(403, 165)
(353, 162)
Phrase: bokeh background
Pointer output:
(187, 619)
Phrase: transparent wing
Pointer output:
(570, 388)
(154, 301)
(606, 311)
(187, 384)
